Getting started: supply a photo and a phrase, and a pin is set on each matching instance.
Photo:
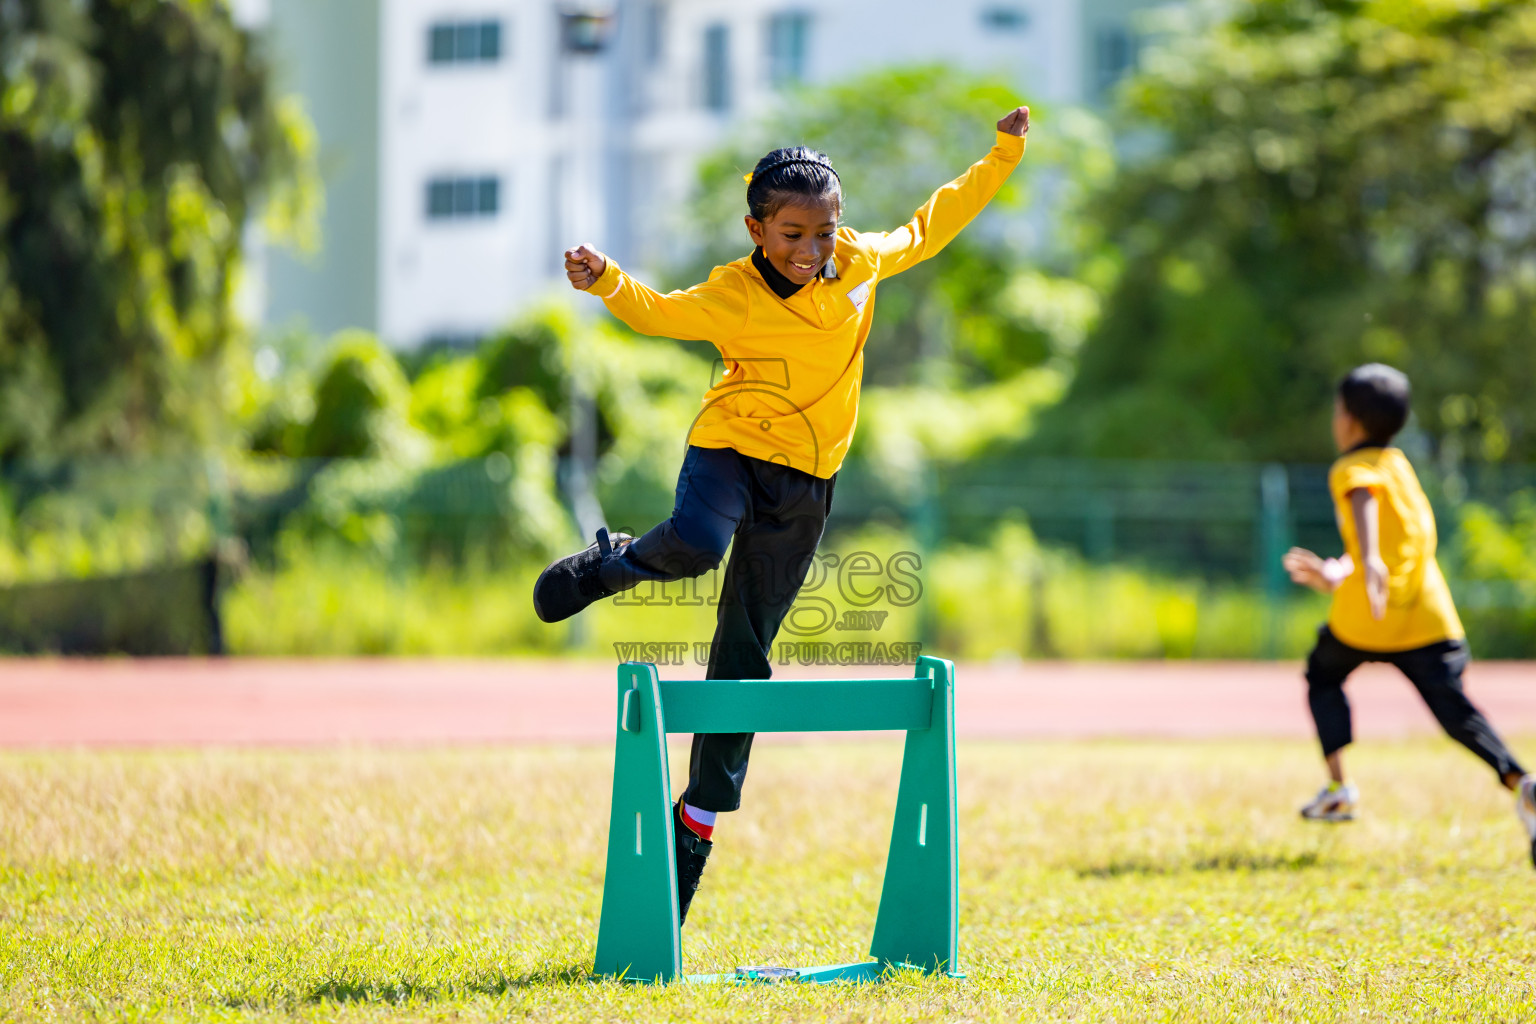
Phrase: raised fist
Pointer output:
(1015, 122)
(584, 265)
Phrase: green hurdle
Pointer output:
(917, 926)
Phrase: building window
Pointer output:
(717, 68)
(1114, 55)
(586, 31)
(463, 198)
(789, 41)
(464, 42)
(1004, 19)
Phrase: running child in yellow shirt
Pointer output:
(1390, 600)
(790, 320)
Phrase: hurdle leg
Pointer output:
(918, 921)
(638, 935)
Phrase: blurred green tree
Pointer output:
(895, 135)
(1493, 558)
(644, 395)
(1324, 183)
(362, 405)
(136, 136)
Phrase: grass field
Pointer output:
(1099, 881)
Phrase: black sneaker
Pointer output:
(569, 584)
(692, 853)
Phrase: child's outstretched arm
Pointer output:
(1367, 513)
(955, 205)
(1325, 574)
(1313, 570)
(713, 311)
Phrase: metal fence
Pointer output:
(1224, 523)
(1213, 520)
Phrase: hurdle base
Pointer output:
(864, 972)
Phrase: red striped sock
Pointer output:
(695, 817)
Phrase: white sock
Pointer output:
(698, 814)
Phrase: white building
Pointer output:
(466, 143)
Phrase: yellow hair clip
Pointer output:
(747, 178)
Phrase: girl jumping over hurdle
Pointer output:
(790, 320)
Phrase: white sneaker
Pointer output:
(1334, 802)
(1525, 807)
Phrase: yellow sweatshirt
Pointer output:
(790, 388)
(1420, 611)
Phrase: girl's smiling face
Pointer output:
(798, 239)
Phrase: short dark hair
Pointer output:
(795, 172)
(1377, 396)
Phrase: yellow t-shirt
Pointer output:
(793, 367)
(1420, 611)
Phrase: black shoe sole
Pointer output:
(617, 541)
(538, 585)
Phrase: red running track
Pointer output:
(187, 702)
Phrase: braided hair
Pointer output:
(785, 175)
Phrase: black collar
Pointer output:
(782, 286)
(1364, 445)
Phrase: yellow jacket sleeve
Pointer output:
(713, 311)
(1399, 548)
(949, 210)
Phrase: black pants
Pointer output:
(1434, 670)
(776, 515)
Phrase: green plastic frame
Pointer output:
(917, 926)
